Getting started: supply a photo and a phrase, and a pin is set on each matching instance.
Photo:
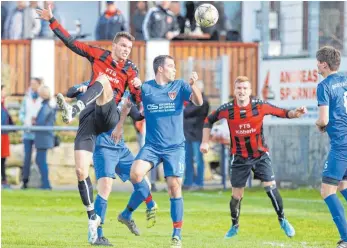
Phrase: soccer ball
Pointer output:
(206, 15)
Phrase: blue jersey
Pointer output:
(163, 109)
(332, 92)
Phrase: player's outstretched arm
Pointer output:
(196, 93)
(76, 46)
(270, 109)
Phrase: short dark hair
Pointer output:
(160, 61)
(331, 56)
(125, 35)
(39, 80)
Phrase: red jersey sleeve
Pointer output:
(221, 113)
(78, 47)
(132, 73)
(269, 109)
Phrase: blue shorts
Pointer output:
(335, 168)
(108, 162)
(173, 159)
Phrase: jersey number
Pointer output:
(345, 100)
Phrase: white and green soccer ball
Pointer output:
(206, 15)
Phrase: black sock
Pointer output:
(276, 200)
(85, 188)
(92, 93)
(3, 170)
(235, 210)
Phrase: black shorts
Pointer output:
(94, 120)
(240, 169)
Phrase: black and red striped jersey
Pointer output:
(246, 125)
(119, 73)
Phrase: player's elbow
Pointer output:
(198, 102)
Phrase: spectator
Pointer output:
(160, 23)
(4, 14)
(138, 18)
(44, 140)
(175, 8)
(31, 105)
(22, 23)
(5, 140)
(190, 14)
(194, 117)
(110, 23)
(46, 32)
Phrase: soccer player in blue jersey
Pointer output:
(162, 100)
(112, 158)
(332, 102)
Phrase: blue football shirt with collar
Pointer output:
(332, 92)
(163, 110)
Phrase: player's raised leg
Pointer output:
(100, 92)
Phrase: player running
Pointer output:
(112, 158)
(332, 102)
(163, 100)
(248, 150)
(112, 72)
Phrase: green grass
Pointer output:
(57, 219)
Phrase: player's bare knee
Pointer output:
(327, 190)
(136, 177)
(342, 185)
(237, 193)
(80, 173)
(105, 187)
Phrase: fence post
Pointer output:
(43, 61)
(224, 98)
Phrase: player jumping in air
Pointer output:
(248, 150)
(163, 100)
(332, 102)
(111, 159)
(112, 72)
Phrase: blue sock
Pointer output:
(141, 191)
(177, 215)
(100, 232)
(338, 214)
(344, 193)
(100, 206)
(149, 202)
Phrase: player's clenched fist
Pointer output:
(136, 83)
(45, 14)
(300, 111)
(204, 147)
(193, 78)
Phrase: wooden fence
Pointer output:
(15, 65)
(71, 68)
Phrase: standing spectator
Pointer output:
(5, 140)
(110, 23)
(160, 23)
(194, 117)
(4, 13)
(44, 140)
(138, 18)
(31, 105)
(22, 23)
(175, 8)
(46, 32)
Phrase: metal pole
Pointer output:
(38, 128)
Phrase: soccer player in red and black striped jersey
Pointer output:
(112, 73)
(248, 150)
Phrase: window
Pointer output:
(331, 24)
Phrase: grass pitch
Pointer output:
(36, 218)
